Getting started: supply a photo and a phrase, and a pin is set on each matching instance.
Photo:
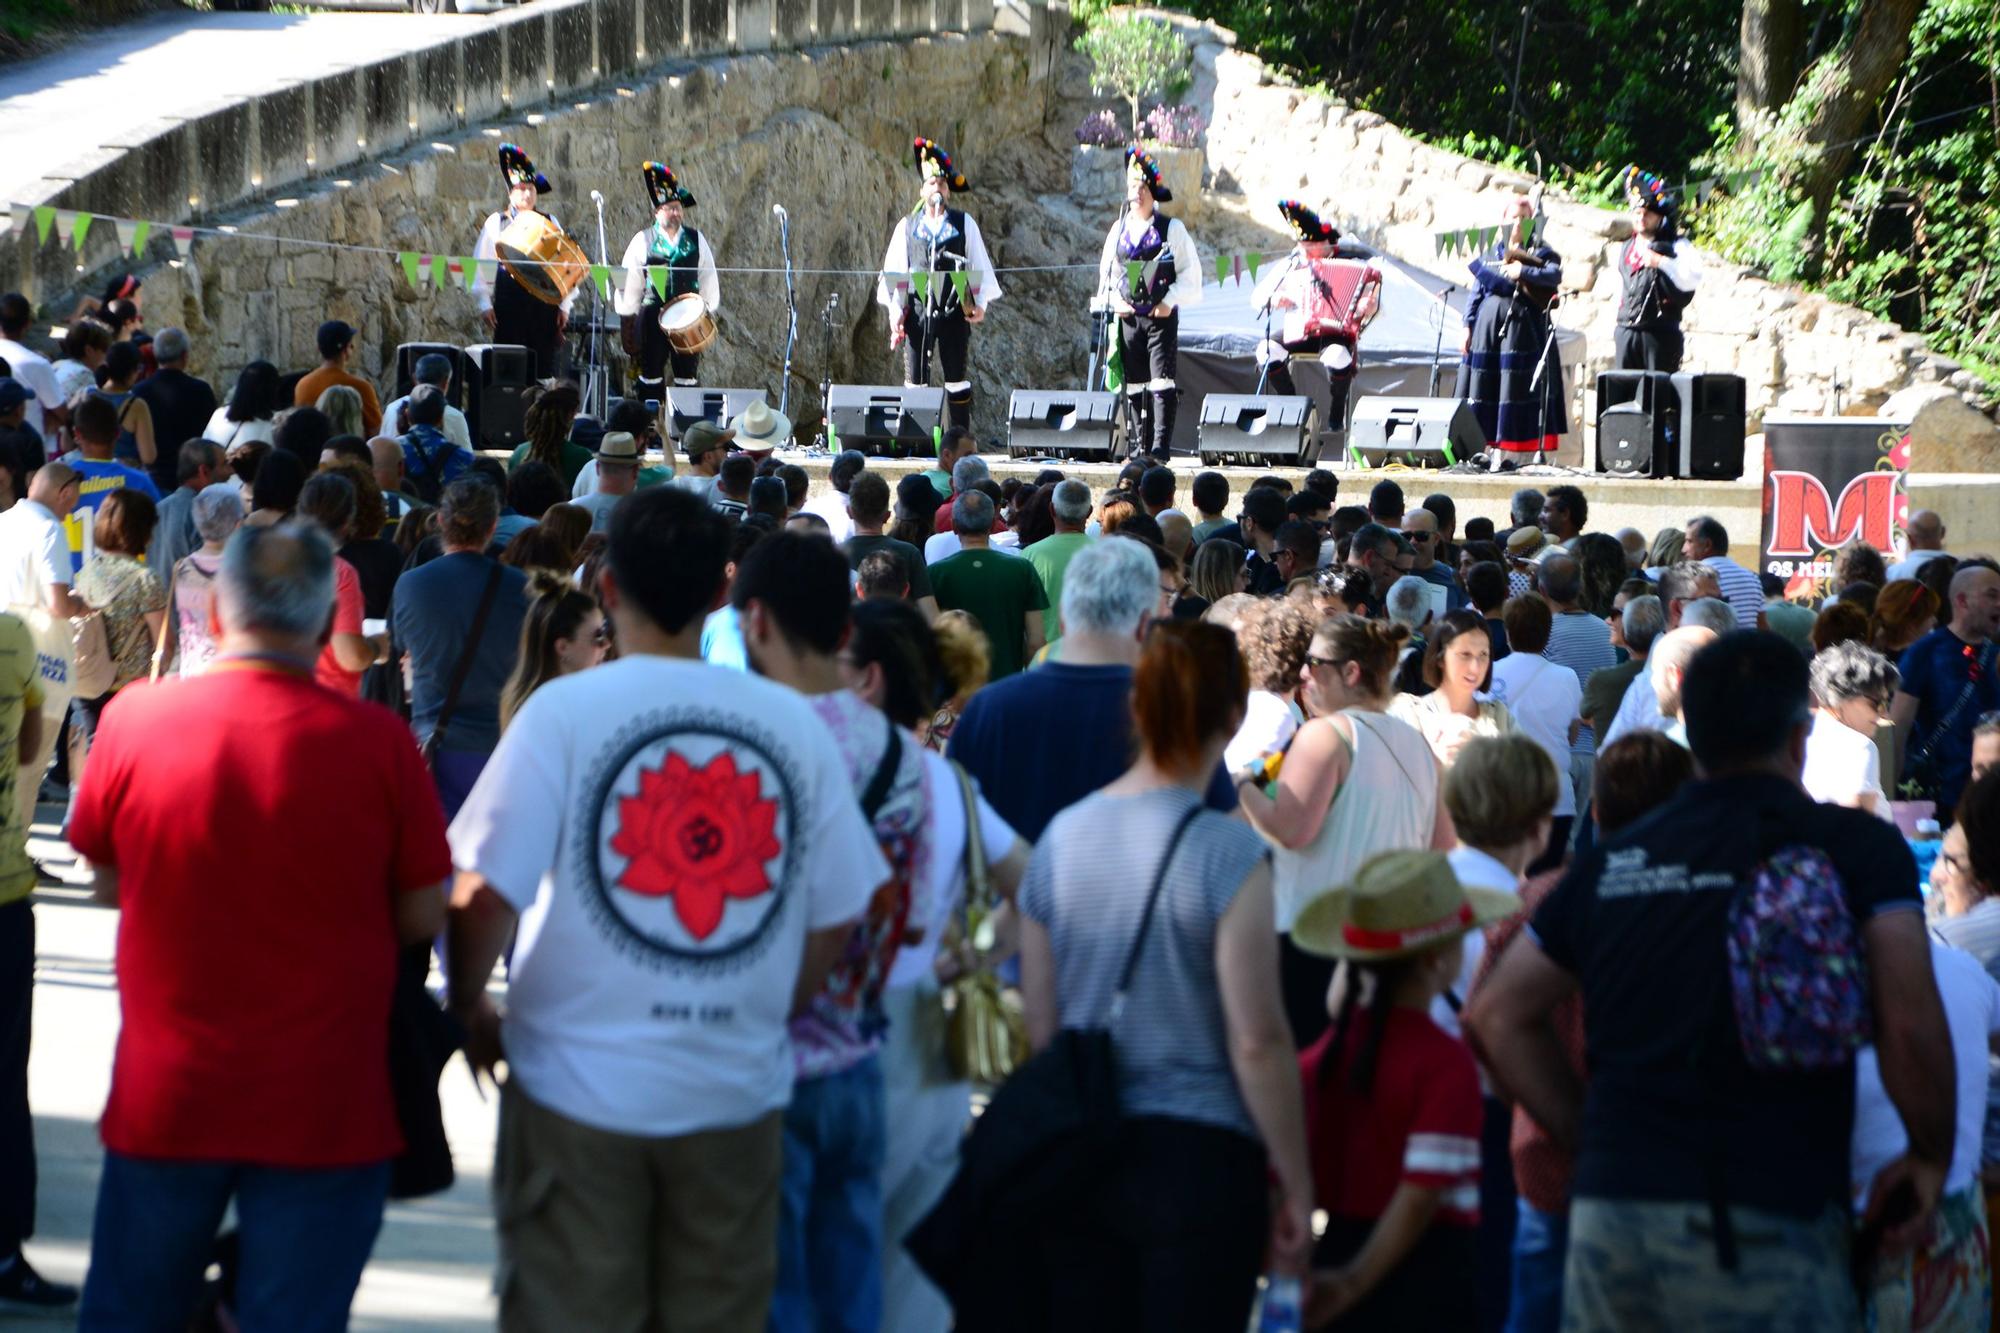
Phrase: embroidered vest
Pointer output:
(1650, 300)
(683, 262)
(943, 252)
(1157, 272)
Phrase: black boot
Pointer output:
(958, 408)
(1165, 402)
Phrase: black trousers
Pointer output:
(1279, 378)
(520, 319)
(1429, 1292)
(949, 338)
(17, 1025)
(1150, 348)
(1647, 349)
(1170, 1242)
(1558, 845)
(657, 355)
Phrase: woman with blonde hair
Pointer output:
(569, 524)
(1217, 570)
(962, 647)
(1353, 782)
(341, 405)
(563, 633)
(1668, 549)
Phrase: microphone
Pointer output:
(833, 301)
(778, 211)
(597, 198)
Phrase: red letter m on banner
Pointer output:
(1803, 521)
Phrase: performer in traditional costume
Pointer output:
(1147, 272)
(511, 311)
(938, 241)
(1661, 272)
(1323, 300)
(690, 267)
(1513, 371)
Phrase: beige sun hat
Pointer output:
(1400, 903)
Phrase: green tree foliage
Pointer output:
(1135, 59)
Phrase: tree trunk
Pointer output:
(1846, 87)
(1771, 44)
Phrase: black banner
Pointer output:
(1829, 481)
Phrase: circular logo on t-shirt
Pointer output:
(686, 841)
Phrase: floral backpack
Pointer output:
(1797, 975)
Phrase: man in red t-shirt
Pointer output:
(267, 874)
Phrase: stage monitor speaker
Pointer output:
(1714, 417)
(1062, 423)
(407, 356)
(687, 404)
(1638, 424)
(498, 375)
(1259, 430)
(1416, 432)
(886, 420)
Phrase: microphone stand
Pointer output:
(1437, 352)
(1535, 382)
(826, 318)
(791, 311)
(1291, 260)
(597, 393)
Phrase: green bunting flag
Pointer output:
(600, 278)
(658, 277)
(1221, 269)
(140, 232)
(45, 216)
(1252, 260)
(408, 259)
(1133, 268)
(82, 226)
(1114, 364)
(471, 272)
(960, 280)
(440, 270)
(920, 283)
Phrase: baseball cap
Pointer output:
(12, 394)
(702, 436)
(333, 336)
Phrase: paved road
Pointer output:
(432, 1268)
(99, 88)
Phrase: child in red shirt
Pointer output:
(1392, 1101)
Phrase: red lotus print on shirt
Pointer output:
(700, 836)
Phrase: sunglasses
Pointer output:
(1313, 661)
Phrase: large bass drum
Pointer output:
(542, 259)
(689, 326)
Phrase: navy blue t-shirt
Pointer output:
(1936, 670)
(1042, 740)
(1673, 1109)
(432, 617)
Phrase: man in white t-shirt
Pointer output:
(431, 368)
(682, 851)
(35, 577)
(831, 504)
(30, 367)
(1547, 703)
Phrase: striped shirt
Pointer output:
(1740, 588)
(1581, 642)
(1087, 885)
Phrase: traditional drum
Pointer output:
(542, 259)
(689, 327)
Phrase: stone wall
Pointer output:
(1794, 350)
(826, 132)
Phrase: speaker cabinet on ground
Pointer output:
(1714, 416)
(498, 376)
(1259, 430)
(1063, 423)
(687, 404)
(407, 356)
(1416, 432)
(1638, 424)
(885, 420)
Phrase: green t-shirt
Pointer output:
(940, 480)
(20, 690)
(574, 456)
(1051, 556)
(1207, 528)
(1000, 591)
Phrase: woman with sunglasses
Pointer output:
(1353, 782)
(563, 633)
(1852, 685)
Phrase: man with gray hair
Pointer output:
(967, 472)
(1653, 701)
(1635, 629)
(181, 404)
(1409, 603)
(1852, 685)
(1069, 504)
(1711, 613)
(1707, 541)
(1044, 739)
(433, 368)
(1001, 591)
(304, 1145)
(460, 615)
(198, 465)
(1526, 508)
(1688, 581)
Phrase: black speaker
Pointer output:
(687, 404)
(497, 375)
(1258, 430)
(885, 420)
(1416, 432)
(1638, 424)
(407, 356)
(1714, 416)
(1062, 423)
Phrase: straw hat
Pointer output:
(1401, 903)
(1524, 542)
(618, 446)
(759, 429)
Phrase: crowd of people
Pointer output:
(1499, 925)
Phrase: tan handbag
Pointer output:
(986, 1038)
(95, 672)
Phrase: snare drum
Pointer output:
(542, 259)
(689, 326)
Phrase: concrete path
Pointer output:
(433, 1265)
(98, 89)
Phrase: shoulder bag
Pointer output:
(1038, 1151)
(985, 1038)
(460, 672)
